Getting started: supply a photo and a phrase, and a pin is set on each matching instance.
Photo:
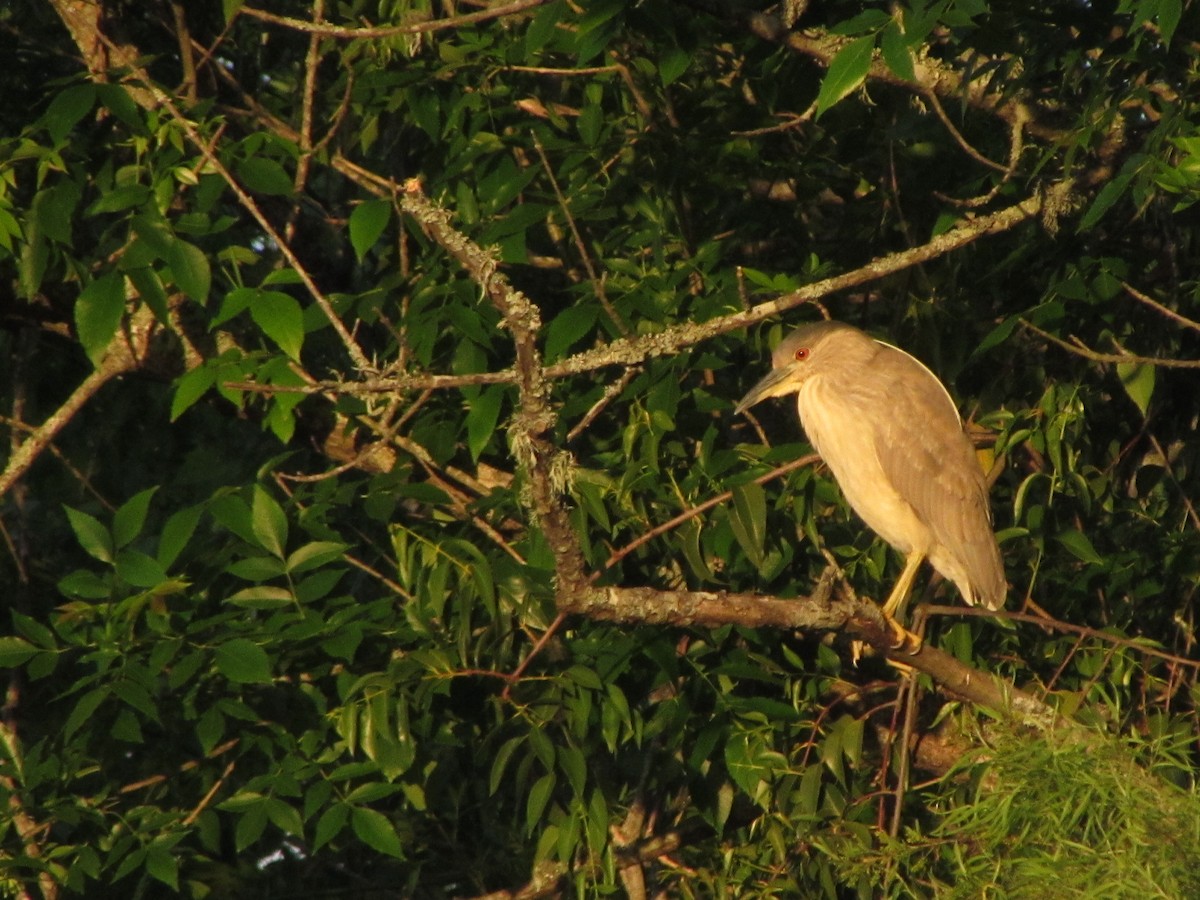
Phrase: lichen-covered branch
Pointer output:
(828, 609)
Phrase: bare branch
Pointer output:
(1159, 307)
(125, 352)
(1081, 349)
(824, 610)
(322, 29)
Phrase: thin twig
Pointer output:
(1155, 305)
(341, 32)
(617, 555)
(586, 258)
(611, 392)
(1059, 625)
(1080, 349)
(962, 142)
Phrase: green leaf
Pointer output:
(67, 108)
(574, 766)
(535, 804)
(482, 415)
(150, 291)
(367, 222)
(129, 519)
(243, 661)
(1105, 198)
(590, 122)
(1080, 547)
(85, 584)
(265, 176)
(84, 709)
(34, 630)
(568, 327)
(894, 48)
(176, 533)
(500, 762)
(250, 826)
(263, 596)
(749, 519)
(98, 314)
(542, 27)
(846, 72)
(54, 210)
(190, 268)
(269, 522)
(282, 320)
(376, 831)
(32, 267)
(92, 535)
(162, 865)
(155, 234)
(138, 569)
(285, 817)
(1169, 13)
(257, 568)
(673, 63)
(122, 197)
(313, 555)
(190, 387)
(1138, 381)
(330, 825)
(15, 651)
(120, 104)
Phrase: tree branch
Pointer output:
(125, 352)
(323, 29)
(830, 608)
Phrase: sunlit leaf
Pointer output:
(282, 320)
(367, 222)
(846, 72)
(269, 522)
(190, 268)
(131, 516)
(1138, 381)
(94, 537)
(376, 831)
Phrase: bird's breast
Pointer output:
(843, 434)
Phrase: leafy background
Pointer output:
(286, 594)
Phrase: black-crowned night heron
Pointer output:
(891, 435)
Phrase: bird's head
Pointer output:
(807, 351)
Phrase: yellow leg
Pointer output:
(894, 608)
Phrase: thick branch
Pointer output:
(825, 610)
(547, 467)
(124, 354)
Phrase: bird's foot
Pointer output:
(903, 641)
(906, 641)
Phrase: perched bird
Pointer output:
(891, 435)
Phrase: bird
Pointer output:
(890, 433)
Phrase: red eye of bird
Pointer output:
(802, 354)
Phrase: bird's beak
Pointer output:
(775, 383)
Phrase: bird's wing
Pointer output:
(920, 444)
